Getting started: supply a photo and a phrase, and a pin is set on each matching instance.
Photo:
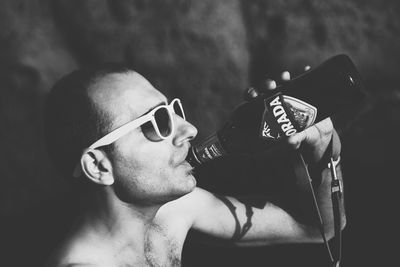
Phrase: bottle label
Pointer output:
(284, 116)
(210, 149)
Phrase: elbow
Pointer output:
(329, 233)
(315, 235)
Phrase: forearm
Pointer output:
(324, 184)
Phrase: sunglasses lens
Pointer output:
(163, 121)
(149, 131)
(178, 109)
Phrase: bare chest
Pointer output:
(160, 249)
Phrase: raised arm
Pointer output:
(235, 220)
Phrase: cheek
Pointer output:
(138, 183)
(141, 154)
(148, 163)
(150, 170)
(146, 167)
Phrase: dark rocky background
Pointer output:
(205, 52)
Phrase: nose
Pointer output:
(185, 131)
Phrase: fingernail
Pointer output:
(250, 93)
(285, 76)
(271, 84)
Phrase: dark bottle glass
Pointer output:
(328, 90)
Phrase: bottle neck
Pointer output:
(209, 149)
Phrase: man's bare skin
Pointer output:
(160, 247)
(146, 200)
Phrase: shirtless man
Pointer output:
(140, 196)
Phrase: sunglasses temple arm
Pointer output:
(119, 132)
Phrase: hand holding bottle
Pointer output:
(286, 110)
(313, 140)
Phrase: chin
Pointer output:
(184, 180)
(189, 184)
(182, 191)
(193, 179)
(188, 181)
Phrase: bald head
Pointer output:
(121, 97)
(78, 112)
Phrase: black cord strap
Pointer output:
(304, 180)
(336, 191)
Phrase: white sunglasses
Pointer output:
(158, 124)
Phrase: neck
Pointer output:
(107, 216)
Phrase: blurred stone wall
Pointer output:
(205, 52)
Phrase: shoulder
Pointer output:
(185, 204)
(184, 210)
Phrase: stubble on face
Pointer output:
(144, 171)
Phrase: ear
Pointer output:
(97, 167)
